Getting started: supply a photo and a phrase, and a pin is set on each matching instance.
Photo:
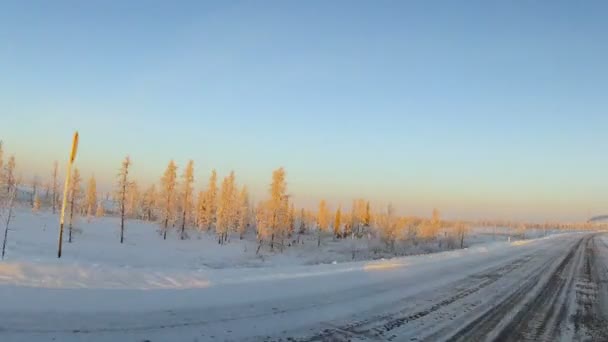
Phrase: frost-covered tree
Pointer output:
(74, 197)
(9, 173)
(243, 212)
(263, 218)
(291, 217)
(122, 189)
(430, 228)
(303, 221)
(226, 213)
(460, 230)
(387, 226)
(148, 202)
(209, 214)
(201, 207)
(168, 196)
(91, 197)
(337, 223)
(37, 204)
(278, 205)
(133, 197)
(35, 183)
(54, 186)
(6, 212)
(322, 220)
(188, 180)
(100, 212)
(357, 217)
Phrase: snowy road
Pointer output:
(548, 289)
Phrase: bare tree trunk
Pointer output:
(183, 225)
(272, 242)
(122, 218)
(8, 220)
(71, 218)
(257, 251)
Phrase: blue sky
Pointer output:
(479, 108)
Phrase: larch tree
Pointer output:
(168, 196)
(387, 225)
(357, 217)
(148, 202)
(322, 220)
(233, 203)
(122, 190)
(337, 223)
(133, 196)
(6, 213)
(187, 190)
(35, 183)
(10, 173)
(211, 201)
(54, 186)
(303, 222)
(100, 212)
(263, 218)
(201, 207)
(243, 213)
(74, 197)
(91, 197)
(37, 204)
(291, 217)
(223, 209)
(278, 205)
(367, 217)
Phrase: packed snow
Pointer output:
(165, 290)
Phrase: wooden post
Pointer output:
(65, 190)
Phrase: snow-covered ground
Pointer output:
(194, 290)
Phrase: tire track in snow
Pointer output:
(534, 320)
(380, 327)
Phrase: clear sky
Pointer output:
(493, 109)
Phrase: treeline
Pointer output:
(224, 208)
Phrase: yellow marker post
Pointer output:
(65, 190)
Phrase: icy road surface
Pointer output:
(549, 289)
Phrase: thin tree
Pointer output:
(201, 209)
(337, 219)
(302, 228)
(322, 220)
(7, 207)
(223, 212)
(74, 195)
(243, 212)
(99, 212)
(168, 188)
(37, 204)
(123, 187)
(54, 186)
(188, 180)
(211, 201)
(91, 197)
(10, 173)
(263, 216)
(291, 217)
(34, 193)
(132, 204)
(149, 202)
(277, 204)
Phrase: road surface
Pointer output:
(553, 289)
